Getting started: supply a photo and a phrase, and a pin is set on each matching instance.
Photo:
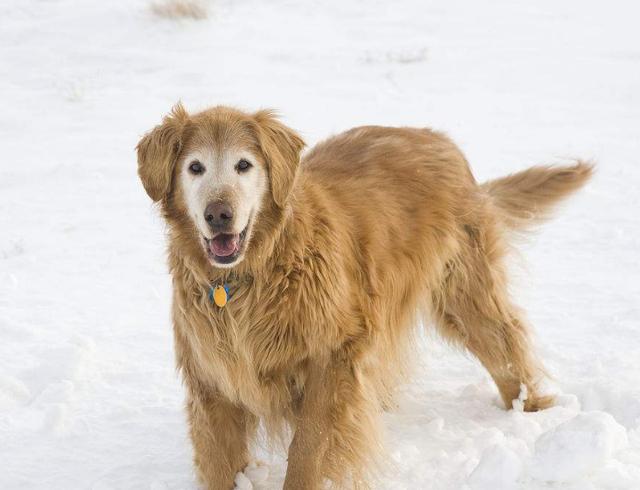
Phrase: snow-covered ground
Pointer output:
(88, 393)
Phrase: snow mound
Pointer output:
(577, 447)
(499, 467)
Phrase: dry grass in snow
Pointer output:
(180, 9)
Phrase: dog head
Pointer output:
(222, 169)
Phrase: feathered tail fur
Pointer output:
(526, 198)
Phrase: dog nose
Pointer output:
(218, 214)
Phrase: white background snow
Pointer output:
(88, 393)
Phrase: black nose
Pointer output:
(218, 214)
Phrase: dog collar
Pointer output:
(219, 294)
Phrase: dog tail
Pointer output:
(527, 198)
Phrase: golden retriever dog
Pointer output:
(298, 280)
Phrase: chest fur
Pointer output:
(254, 349)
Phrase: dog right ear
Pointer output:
(158, 150)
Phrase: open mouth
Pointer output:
(224, 248)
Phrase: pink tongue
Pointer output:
(224, 245)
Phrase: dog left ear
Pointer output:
(281, 147)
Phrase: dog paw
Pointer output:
(537, 403)
(531, 402)
(255, 473)
(242, 482)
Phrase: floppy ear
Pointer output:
(157, 152)
(281, 147)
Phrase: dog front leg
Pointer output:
(336, 429)
(219, 432)
(311, 439)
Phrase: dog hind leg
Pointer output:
(475, 311)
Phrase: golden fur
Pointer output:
(372, 228)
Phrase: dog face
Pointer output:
(223, 188)
(222, 169)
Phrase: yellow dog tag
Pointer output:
(219, 295)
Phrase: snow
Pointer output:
(89, 397)
(498, 467)
(577, 447)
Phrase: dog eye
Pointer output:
(243, 165)
(196, 168)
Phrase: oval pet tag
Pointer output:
(220, 296)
